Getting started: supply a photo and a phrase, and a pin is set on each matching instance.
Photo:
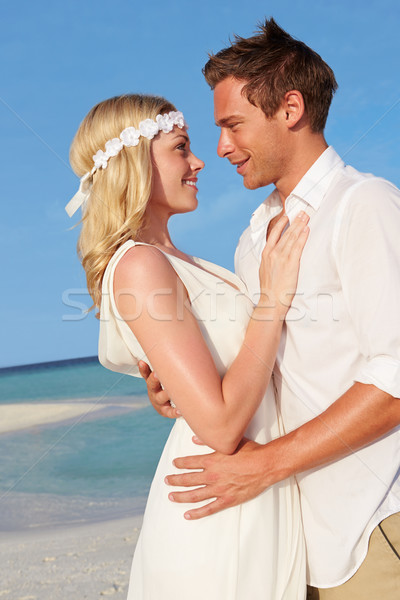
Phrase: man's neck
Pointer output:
(304, 156)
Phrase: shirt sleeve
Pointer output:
(368, 260)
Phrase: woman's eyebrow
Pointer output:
(178, 135)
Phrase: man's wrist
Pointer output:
(275, 460)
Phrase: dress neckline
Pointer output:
(197, 265)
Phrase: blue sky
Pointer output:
(61, 58)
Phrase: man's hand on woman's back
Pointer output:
(157, 395)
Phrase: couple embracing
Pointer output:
(286, 387)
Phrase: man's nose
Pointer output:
(225, 146)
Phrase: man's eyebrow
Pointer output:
(228, 120)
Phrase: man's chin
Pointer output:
(250, 184)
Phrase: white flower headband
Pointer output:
(128, 137)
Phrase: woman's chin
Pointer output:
(189, 207)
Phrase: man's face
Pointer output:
(252, 142)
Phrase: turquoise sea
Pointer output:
(92, 467)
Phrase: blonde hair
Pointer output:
(120, 193)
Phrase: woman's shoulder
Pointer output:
(143, 266)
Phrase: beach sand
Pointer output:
(15, 417)
(63, 563)
(50, 546)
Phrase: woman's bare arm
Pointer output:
(217, 411)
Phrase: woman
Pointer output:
(193, 322)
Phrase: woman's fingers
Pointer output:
(276, 231)
(285, 240)
(281, 261)
(298, 246)
(296, 234)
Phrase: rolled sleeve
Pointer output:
(368, 261)
(383, 372)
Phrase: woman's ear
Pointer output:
(293, 108)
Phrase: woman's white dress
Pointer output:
(254, 551)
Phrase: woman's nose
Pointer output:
(197, 164)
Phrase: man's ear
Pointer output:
(293, 108)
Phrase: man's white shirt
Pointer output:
(343, 327)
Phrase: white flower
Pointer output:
(113, 147)
(177, 118)
(164, 123)
(100, 159)
(148, 128)
(130, 136)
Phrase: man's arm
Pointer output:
(361, 416)
(368, 260)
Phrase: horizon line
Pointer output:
(47, 364)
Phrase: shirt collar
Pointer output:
(311, 188)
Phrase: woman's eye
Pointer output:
(181, 147)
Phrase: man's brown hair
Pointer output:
(272, 63)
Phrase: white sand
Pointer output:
(75, 563)
(14, 417)
(64, 562)
(21, 416)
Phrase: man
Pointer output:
(337, 374)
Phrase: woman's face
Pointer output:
(175, 169)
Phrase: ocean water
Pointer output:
(86, 468)
(61, 380)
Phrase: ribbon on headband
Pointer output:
(82, 195)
